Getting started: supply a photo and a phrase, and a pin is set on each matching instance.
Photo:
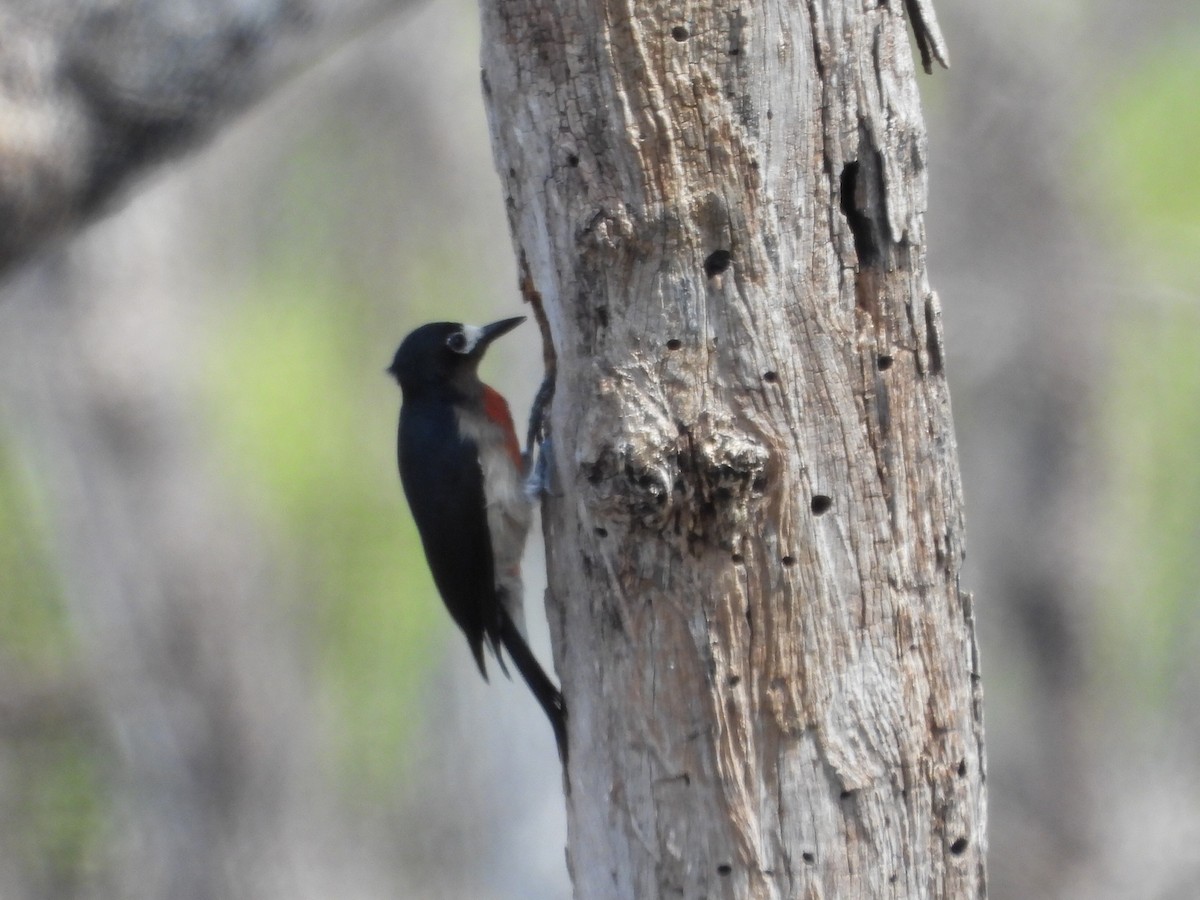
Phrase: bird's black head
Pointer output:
(442, 357)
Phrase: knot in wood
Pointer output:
(631, 484)
(723, 476)
(700, 483)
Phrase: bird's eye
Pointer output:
(457, 342)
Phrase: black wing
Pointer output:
(444, 485)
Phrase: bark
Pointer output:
(755, 534)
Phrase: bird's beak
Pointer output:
(489, 333)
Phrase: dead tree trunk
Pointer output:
(755, 534)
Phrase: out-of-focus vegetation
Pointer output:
(1147, 128)
(34, 633)
(1145, 183)
(291, 391)
(1155, 529)
(49, 769)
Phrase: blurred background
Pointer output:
(224, 671)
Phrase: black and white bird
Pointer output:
(461, 467)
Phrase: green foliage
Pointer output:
(58, 801)
(35, 632)
(1156, 423)
(64, 809)
(1145, 137)
(1155, 563)
(1143, 142)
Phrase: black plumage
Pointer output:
(443, 482)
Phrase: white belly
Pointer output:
(509, 511)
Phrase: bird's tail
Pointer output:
(548, 696)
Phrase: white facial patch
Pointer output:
(469, 340)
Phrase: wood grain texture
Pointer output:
(755, 540)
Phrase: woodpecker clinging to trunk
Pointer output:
(460, 464)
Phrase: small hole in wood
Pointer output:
(788, 561)
(737, 559)
(602, 316)
(808, 857)
(821, 504)
(724, 869)
(601, 532)
(771, 377)
(884, 362)
(572, 160)
(680, 33)
(733, 680)
(959, 847)
(845, 795)
(962, 768)
(734, 51)
(759, 484)
(717, 262)
(674, 344)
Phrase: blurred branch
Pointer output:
(92, 94)
(36, 705)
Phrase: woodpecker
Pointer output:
(461, 468)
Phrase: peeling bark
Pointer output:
(755, 537)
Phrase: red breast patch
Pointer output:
(495, 408)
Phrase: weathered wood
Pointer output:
(755, 535)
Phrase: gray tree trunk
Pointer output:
(754, 538)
